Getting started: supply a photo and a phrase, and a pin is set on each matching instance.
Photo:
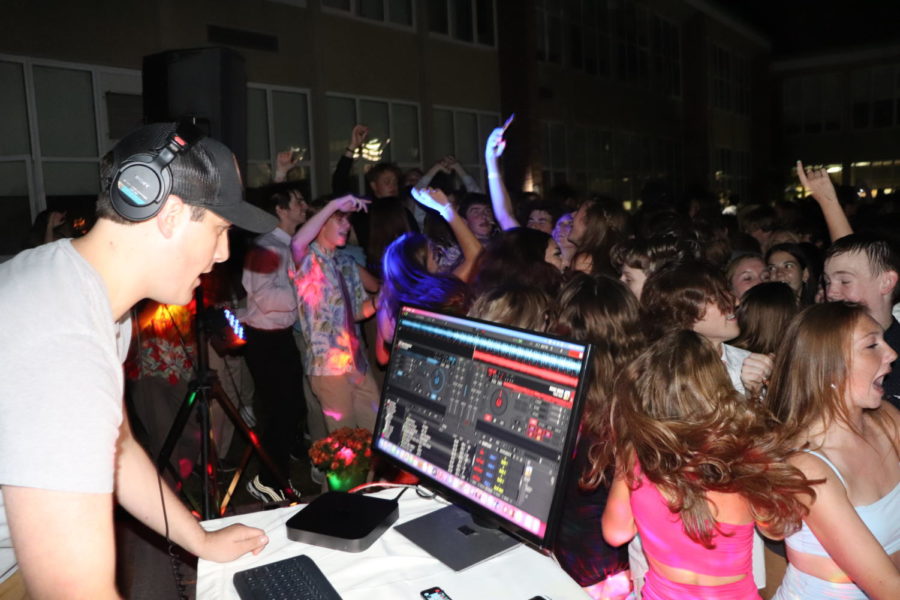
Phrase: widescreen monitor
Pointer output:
(486, 415)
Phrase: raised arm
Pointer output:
(500, 200)
(308, 232)
(820, 187)
(340, 179)
(55, 218)
(284, 162)
(844, 536)
(438, 167)
(468, 243)
(467, 180)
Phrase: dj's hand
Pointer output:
(232, 542)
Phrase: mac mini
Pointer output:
(342, 521)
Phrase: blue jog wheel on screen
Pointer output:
(437, 380)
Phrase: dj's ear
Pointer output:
(888, 282)
(170, 215)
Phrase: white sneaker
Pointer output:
(247, 415)
(262, 492)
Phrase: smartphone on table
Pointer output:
(434, 593)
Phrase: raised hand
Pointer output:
(435, 200)
(358, 136)
(284, 162)
(350, 203)
(56, 218)
(495, 144)
(818, 182)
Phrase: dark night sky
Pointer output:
(799, 27)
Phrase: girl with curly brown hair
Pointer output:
(696, 467)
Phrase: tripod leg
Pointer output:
(177, 429)
(208, 477)
(245, 458)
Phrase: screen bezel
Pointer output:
(568, 451)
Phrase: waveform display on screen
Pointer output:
(485, 343)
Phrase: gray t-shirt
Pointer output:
(61, 378)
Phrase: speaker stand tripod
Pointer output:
(203, 389)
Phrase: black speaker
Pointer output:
(205, 85)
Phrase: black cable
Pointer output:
(403, 491)
(180, 585)
(181, 338)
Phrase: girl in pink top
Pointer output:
(696, 468)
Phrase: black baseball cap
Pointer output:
(210, 179)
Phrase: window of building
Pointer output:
(618, 163)
(16, 179)
(731, 174)
(632, 43)
(463, 133)
(51, 148)
(720, 78)
(574, 33)
(875, 177)
(554, 158)
(883, 96)
(297, 3)
(861, 105)
(393, 132)
(875, 97)
(665, 54)
(588, 35)
(278, 119)
(812, 104)
(589, 163)
(469, 21)
(730, 80)
(393, 12)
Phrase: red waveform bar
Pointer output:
(523, 368)
(541, 395)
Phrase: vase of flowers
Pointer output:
(345, 456)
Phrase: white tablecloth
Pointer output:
(393, 568)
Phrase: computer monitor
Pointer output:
(487, 416)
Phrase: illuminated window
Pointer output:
(393, 132)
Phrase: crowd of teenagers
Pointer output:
(742, 384)
(741, 387)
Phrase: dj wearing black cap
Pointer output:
(66, 451)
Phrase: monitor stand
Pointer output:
(450, 535)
